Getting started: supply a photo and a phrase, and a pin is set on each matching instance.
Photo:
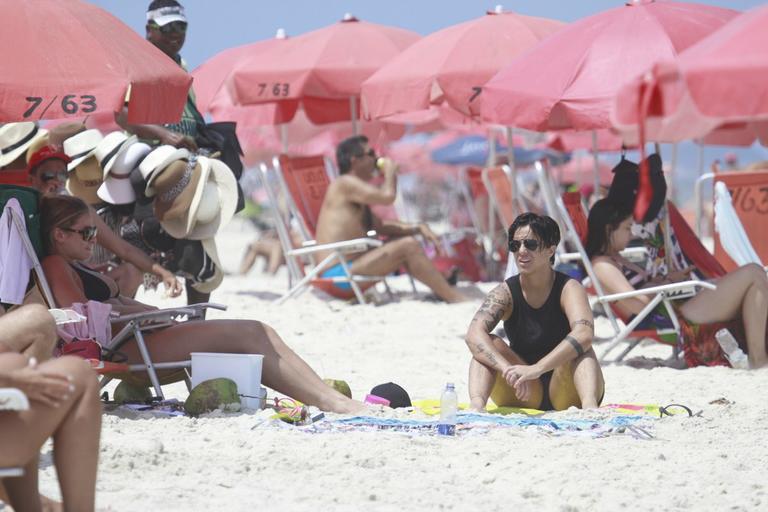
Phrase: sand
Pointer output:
(714, 461)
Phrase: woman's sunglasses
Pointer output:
(529, 243)
(88, 233)
(178, 27)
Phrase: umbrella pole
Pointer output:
(353, 114)
(596, 193)
(513, 169)
(491, 161)
(672, 170)
(284, 137)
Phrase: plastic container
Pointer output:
(376, 400)
(449, 404)
(733, 352)
(243, 369)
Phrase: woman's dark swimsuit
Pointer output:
(535, 332)
(95, 287)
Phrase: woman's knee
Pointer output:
(408, 245)
(37, 317)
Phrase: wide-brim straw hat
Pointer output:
(81, 146)
(159, 158)
(16, 138)
(110, 147)
(214, 202)
(175, 186)
(209, 246)
(84, 181)
(117, 188)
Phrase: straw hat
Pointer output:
(117, 188)
(206, 204)
(15, 139)
(111, 146)
(81, 146)
(85, 180)
(175, 186)
(56, 137)
(159, 158)
(207, 286)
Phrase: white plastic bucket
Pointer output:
(243, 369)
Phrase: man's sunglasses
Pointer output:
(88, 233)
(48, 176)
(178, 27)
(529, 243)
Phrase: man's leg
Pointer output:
(406, 251)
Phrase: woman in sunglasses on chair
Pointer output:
(549, 363)
(68, 233)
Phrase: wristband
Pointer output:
(576, 345)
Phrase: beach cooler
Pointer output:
(243, 369)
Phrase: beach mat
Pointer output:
(431, 407)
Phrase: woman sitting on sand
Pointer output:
(742, 293)
(64, 404)
(68, 232)
(549, 363)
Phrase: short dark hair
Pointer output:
(605, 215)
(544, 227)
(352, 146)
(159, 4)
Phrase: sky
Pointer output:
(215, 25)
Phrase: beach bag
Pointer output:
(700, 347)
(222, 138)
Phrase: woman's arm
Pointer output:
(127, 252)
(497, 306)
(613, 281)
(66, 286)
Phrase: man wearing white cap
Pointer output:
(167, 29)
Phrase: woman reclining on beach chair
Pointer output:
(64, 404)
(549, 363)
(68, 233)
(741, 294)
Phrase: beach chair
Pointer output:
(573, 215)
(12, 399)
(301, 183)
(27, 229)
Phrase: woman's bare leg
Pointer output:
(29, 330)
(577, 383)
(741, 292)
(282, 370)
(75, 426)
(485, 382)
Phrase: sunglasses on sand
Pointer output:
(88, 233)
(529, 243)
(178, 27)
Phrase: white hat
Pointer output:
(117, 188)
(207, 286)
(111, 146)
(81, 146)
(15, 138)
(199, 213)
(159, 158)
(164, 15)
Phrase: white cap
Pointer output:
(165, 15)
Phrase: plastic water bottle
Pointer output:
(733, 352)
(449, 403)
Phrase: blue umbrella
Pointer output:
(473, 150)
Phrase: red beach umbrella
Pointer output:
(569, 81)
(721, 79)
(68, 58)
(450, 65)
(322, 69)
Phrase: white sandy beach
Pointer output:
(715, 461)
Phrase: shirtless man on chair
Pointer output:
(346, 214)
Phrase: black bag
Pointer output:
(222, 138)
(626, 181)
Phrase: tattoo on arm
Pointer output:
(576, 345)
(583, 321)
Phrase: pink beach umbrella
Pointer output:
(722, 79)
(69, 59)
(451, 65)
(322, 70)
(570, 80)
